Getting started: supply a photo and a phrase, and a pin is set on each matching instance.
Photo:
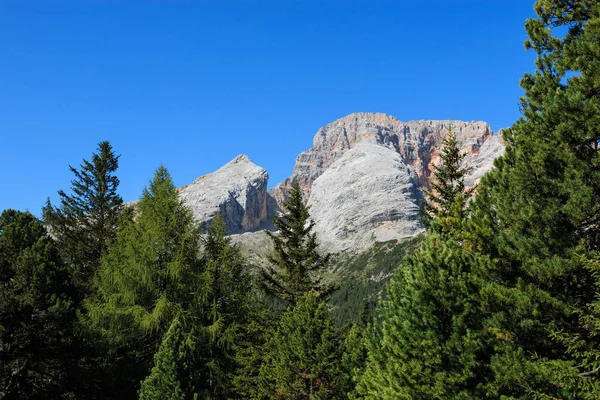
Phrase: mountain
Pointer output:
(363, 179)
(238, 191)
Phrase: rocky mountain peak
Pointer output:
(417, 142)
(237, 190)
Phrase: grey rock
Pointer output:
(238, 190)
(483, 161)
(352, 193)
(365, 196)
(418, 142)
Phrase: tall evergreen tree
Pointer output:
(36, 312)
(536, 214)
(169, 379)
(220, 314)
(85, 222)
(148, 276)
(430, 341)
(304, 362)
(446, 203)
(295, 261)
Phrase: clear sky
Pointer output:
(192, 84)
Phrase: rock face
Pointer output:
(483, 161)
(365, 174)
(363, 179)
(238, 190)
(367, 195)
(418, 142)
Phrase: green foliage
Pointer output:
(36, 312)
(536, 214)
(295, 261)
(169, 379)
(148, 276)
(446, 202)
(304, 359)
(219, 316)
(430, 342)
(353, 358)
(85, 223)
(363, 278)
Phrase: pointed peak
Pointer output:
(242, 158)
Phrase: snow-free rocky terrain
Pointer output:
(363, 179)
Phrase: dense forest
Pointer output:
(499, 300)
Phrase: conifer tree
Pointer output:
(220, 314)
(148, 276)
(169, 378)
(85, 222)
(295, 261)
(536, 214)
(304, 362)
(36, 312)
(447, 201)
(430, 341)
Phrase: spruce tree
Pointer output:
(169, 378)
(295, 260)
(221, 312)
(446, 202)
(36, 312)
(536, 214)
(85, 222)
(304, 361)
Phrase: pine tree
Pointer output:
(36, 312)
(304, 361)
(85, 223)
(446, 202)
(295, 261)
(148, 276)
(536, 214)
(220, 314)
(430, 341)
(169, 379)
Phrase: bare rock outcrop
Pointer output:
(367, 195)
(238, 190)
(365, 174)
(418, 142)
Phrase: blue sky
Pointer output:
(192, 84)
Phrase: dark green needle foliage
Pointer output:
(36, 312)
(85, 222)
(295, 261)
(446, 203)
(221, 312)
(304, 361)
(429, 341)
(169, 379)
(537, 213)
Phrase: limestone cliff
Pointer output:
(417, 142)
(238, 190)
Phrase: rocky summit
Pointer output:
(363, 178)
(238, 190)
(368, 195)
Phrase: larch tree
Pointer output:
(148, 275)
